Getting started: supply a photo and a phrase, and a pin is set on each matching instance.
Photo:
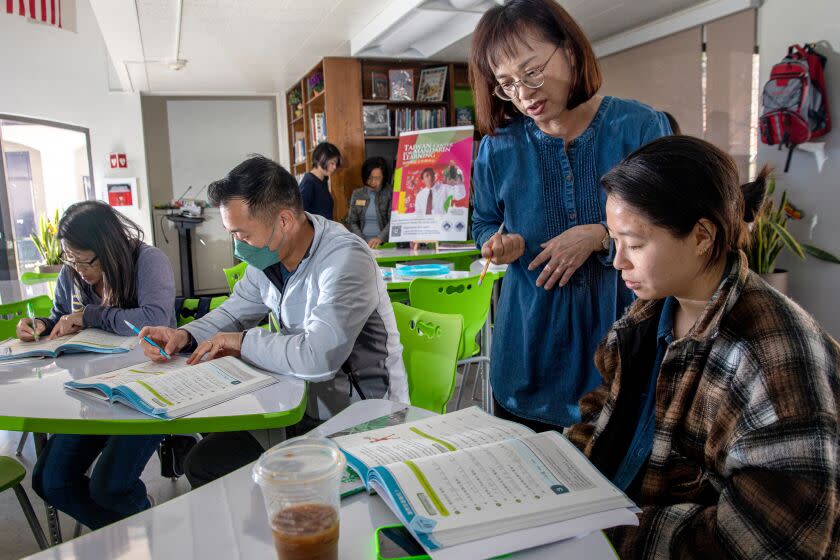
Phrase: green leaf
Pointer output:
(821, 254)
(791, 243)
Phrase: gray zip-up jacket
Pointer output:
(334, 311)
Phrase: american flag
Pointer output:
(45, 11)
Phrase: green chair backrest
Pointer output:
(191, 305)
(234, 274)
(430, 353)
(458, 295)
(11, 313)
(38, 277)
(11, 473)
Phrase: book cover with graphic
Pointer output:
(432, 185)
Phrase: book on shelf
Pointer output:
(173, 389)
(379, 85)
(470, 485)
(376, 120)
(406, 120)
(300, 148)
(88, 340)
(401, 84)
(432, 84)
(463, 116)
(318, 125)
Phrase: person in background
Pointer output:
(369, 216)
(549, 138)
(315, 187)
(109, 276)
(718, 409)
(321, 283)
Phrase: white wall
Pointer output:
(207, 138)
(60, 75)
(812, 186)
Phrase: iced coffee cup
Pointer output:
(300, 484)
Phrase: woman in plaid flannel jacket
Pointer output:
(718, 411)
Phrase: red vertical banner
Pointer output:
(21, 8)
(10, 6)
(32, 9)
(43, 10)
(52, 12)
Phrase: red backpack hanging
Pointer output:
(794, 100)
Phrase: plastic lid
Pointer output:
(300, 459)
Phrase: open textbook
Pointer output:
(88, 340)
(174, 389)
(469, 485)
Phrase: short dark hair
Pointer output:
(503, 27)
(372, 163)
(323, 153)
(675, 181)
(263, 184)
(429, 171)
(675, 126)
(94, 226)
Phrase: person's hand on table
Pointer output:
(503, 248)
(564, 254)
(68, 324)
(220, 344)
(171, 340)
(374, 242)
(25, 331)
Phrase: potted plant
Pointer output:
(47, 243)
(770, 235)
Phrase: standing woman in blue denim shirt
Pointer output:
(549, 139)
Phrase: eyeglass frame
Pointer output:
(515, 85)
(76, 265)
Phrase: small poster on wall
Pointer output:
(431, 185)
(122, 191)
(432, 84)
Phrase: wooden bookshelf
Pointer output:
(346, 90)
(340, 101)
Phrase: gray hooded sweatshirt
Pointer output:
(335, 316)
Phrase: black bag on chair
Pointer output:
(171, 452)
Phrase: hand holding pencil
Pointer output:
(501, 249)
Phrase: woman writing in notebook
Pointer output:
(549, 138)
(109, 276)
(718, 410)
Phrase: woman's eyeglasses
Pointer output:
(532, 79)
(78, 265)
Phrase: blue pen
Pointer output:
(147, 339)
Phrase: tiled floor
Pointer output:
(16, 539)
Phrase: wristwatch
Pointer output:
(605, 242)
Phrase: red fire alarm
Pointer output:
(123, 161)
(112, 159)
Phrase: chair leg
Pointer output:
(53, 524)
(22, 443)
(479, 375)
(26, 506)
(464, 377)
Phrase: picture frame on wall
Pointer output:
(121, 192)
(432, 84)
(402, 84)
(379, 85)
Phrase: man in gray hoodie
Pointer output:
(321, 283)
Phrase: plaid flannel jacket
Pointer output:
(745, 452)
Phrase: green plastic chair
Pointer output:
(234, 274)
(466, 298)
(11, 475)
(30, 278)
(430, 353)
(191, 304)
(11, 313)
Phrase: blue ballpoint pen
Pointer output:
(147, 339)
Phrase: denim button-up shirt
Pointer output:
(544, 341)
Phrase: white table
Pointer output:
(33, 398)
(227, 519)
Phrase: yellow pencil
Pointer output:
(487, 262)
